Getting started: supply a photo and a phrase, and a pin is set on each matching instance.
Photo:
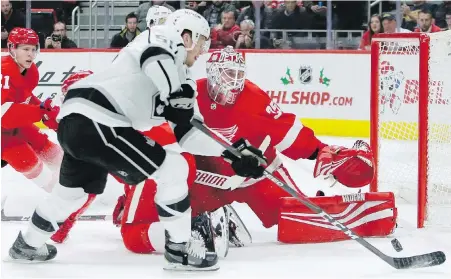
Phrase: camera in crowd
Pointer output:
(57, 37)
(249, 34)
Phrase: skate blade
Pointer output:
(180, 267)
(8, 259)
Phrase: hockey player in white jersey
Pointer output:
(156, 15)
(99, 126)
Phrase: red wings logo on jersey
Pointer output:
(228, 133)
(274, 109)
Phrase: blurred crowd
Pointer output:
(50, 22)
(282, 23)
(420, 17)
(234, 22)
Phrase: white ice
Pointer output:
(95, 249)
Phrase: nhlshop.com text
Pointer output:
(309, 98)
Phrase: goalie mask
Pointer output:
(226, 74)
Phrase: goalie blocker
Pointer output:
(367, 214)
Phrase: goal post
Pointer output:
(411, 121)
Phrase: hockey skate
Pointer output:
(202, 230)
(21, 251)
(189, 256)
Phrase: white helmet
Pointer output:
(157, 15)
(185, 19)
(226, 74)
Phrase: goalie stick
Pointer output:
(418, 261)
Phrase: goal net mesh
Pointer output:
(398, 119)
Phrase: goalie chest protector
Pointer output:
(367, 214)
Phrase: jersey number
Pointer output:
(273, 108)
(5, 81)
(163, 41)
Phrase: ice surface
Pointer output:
(95, 248)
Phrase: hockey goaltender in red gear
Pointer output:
(235, 107)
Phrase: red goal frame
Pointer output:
(423, 105)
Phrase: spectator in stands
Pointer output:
(318, 11)
(214, 10)
(389, 24)
(291, 17)
(374, 27)
(197, 6)
(425, 23)
(127, 34)
(266, 14)
(222, 34)
(440, 14)
(448, 20)
(410, 20)
(245, 39)
(10, 18)
(59, 39)
(141, 12)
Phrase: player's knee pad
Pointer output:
(172, 199)
(143, 238)
(171, 178)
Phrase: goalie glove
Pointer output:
(352, 167)
(250, 163)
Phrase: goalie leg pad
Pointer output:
(367, 214)
(143, 238)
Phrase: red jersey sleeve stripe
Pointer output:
(290, 136)
(5, 107)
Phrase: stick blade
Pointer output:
(425, 260)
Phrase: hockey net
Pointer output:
(411, 121)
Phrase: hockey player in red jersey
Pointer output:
(24, 147)
(236, 108)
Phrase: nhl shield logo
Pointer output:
(305, 74)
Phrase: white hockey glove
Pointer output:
(180, 106)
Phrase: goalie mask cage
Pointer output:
(411, 121)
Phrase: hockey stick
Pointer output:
(418, 261)
(83, 218)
